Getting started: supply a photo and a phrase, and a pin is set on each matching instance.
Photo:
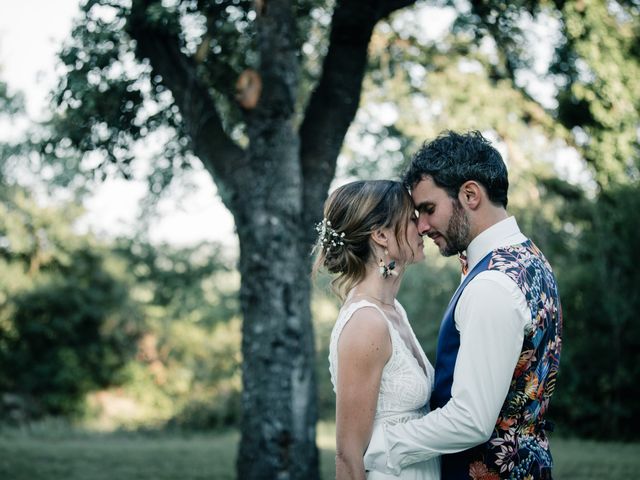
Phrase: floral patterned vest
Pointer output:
(518, 447)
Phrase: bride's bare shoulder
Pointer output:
(366, 330)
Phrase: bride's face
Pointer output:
(412, 249)
(414, 241)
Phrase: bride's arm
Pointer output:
(364, 348)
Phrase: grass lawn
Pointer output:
(58, 455)
(118, 457)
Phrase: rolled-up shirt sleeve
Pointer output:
(491, 316)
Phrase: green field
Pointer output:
(58, 455)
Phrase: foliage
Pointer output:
(67, 325)
(10, 103)
(191, 347)
(11, 107)
(69, 337)
(109, 100)
(601, 298)
(425, 86)
(78, 317)
(599, 68)
(186, 373)
(105, 85)
(181, 280)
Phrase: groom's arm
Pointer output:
(491, 316)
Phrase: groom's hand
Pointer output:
(377, 457)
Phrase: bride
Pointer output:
(379, 372)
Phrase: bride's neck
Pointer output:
(382, 289)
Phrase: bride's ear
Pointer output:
(380, 237)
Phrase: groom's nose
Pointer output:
(423, 224)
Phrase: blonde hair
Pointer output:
(355, 211)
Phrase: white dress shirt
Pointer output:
(491, 316)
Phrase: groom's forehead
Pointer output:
(427, 191)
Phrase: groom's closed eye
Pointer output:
(427, 208)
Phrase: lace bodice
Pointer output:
(404, 387)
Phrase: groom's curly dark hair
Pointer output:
(454, 158)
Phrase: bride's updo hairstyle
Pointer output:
(351, 214)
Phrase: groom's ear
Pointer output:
(470, 194)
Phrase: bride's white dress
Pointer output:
(405, 387)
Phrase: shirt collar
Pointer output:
(504, 233)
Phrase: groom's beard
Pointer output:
(457, 234)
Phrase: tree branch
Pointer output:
(335, 100)
(534, 112)
(203, 124)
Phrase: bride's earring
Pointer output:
(387, 269)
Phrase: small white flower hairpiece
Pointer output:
(328, 237)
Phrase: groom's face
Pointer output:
(441, 217)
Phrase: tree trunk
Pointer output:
(279, 389)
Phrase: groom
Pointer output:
(499, 342)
